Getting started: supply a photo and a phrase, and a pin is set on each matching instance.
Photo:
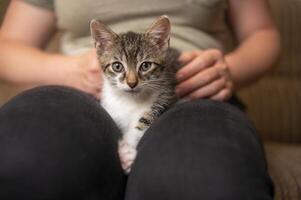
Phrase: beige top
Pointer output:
(196, 24)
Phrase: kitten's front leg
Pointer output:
(130, 140)
(127, 149)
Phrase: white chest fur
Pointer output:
(124, 108)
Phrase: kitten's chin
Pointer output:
(133, 91)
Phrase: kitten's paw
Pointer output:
(127, 155)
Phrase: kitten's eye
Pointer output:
(117, 67)
(145, 66)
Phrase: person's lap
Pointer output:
(200, 150)
(57, 143)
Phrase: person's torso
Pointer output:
(196, 24)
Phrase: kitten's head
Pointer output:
(133, 62)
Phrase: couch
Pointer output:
(274, 103)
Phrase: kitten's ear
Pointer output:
(102, 35)
(159, 32)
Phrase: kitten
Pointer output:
(139, 81)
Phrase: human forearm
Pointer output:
(212, 75)
(26, 66)
(253, 57)
(25, 30)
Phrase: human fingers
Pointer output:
(222, 95)
(188, 56)
(208, 90)
(203, 60)
(199, 80)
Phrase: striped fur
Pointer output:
(138, 71)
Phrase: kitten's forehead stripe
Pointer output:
(131, 44)
(123, 57)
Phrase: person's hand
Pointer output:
(83, 73)
(205, 75)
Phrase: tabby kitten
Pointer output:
(138, 79)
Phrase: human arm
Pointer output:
(23, 62)
(212, 74)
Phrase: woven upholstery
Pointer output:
(274, 104)
(285, 169)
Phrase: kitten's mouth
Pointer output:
(133, 91)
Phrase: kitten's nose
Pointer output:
(133, 84)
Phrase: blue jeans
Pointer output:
(57, 143)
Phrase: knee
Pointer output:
(54, 108)
(204, 109)
(207, 126)
(52, 97)
(209, 120)
(55, 132)
(203, 120)
(211, 141)
(56, 111)
(203, 124)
